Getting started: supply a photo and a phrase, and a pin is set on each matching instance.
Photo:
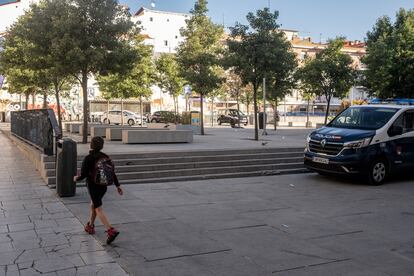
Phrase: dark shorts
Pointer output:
(96, 193)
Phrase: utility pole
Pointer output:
(264, 108)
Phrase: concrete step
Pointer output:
(189, 159)
(209, 164)
(204, 177)
(214, 158)
(197, 165)
(126, 165)
(203, 171)
(166, 154)
(160, 166)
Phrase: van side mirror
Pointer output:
(395, 130)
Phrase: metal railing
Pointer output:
(37, 127)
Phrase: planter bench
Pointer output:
(156, 136)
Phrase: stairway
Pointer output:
(197, 165)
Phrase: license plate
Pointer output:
(320, 160)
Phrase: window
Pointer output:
(168, 20)
(165, 42)
(405, 121)
(176, 37)
(151, 19)
(369, 118)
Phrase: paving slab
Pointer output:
(277, 225)
(38, 233)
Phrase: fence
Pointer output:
(38, 127)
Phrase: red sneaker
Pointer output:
(112, 234)
(90, 229)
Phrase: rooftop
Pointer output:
(142, 10)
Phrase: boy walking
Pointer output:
(99, 172)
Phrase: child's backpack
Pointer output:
(104, 172)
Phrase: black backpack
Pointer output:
(104, 172)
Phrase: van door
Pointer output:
(403, 139)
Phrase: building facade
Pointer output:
(162, 29)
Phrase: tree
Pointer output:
(259, 51)
(329, 74)
(234, 87)
(246, 97)
(92, 37)
(15, 58)
(199, 54)
(40, 33)
(135, 83)
(168, 77)
(281, 84)
(390, 57)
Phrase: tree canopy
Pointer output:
(199, 55)
(329, 74)
(260, 50)
(169, 78)
(93, 37)
(390, 57)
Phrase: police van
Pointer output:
(369, 140)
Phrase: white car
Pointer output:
(130, 118)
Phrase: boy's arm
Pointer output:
(85, 168)
(116, 181)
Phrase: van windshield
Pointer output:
(368, 118)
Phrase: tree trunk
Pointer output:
(58, 105)
(33, 100)
(44, 100)
(212, 112)
(307, 113)
(122, 112)
(27, 100)
(256, 126)
(176, 104)
(107, 112)
(175, 110)
(328, 99)
(85, 106)
(248, 112)
(275, 115)
(238, 105)
(201, 115)
(141, 111)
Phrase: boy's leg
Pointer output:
(92, 216)
(102, 217)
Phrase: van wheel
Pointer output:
(131, 122)
(153, 121)
(219, 122)
(106, 121)
(378, 172)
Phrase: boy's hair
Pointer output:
(97, 143)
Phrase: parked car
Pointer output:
(232, 117)
(130, 118)
(369, 140)
(164, 117)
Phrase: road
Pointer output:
(301, 224)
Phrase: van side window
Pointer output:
(405, 121)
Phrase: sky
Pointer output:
(319, 19)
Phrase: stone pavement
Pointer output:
(276, 225)
(38, 234)
(215, 138)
